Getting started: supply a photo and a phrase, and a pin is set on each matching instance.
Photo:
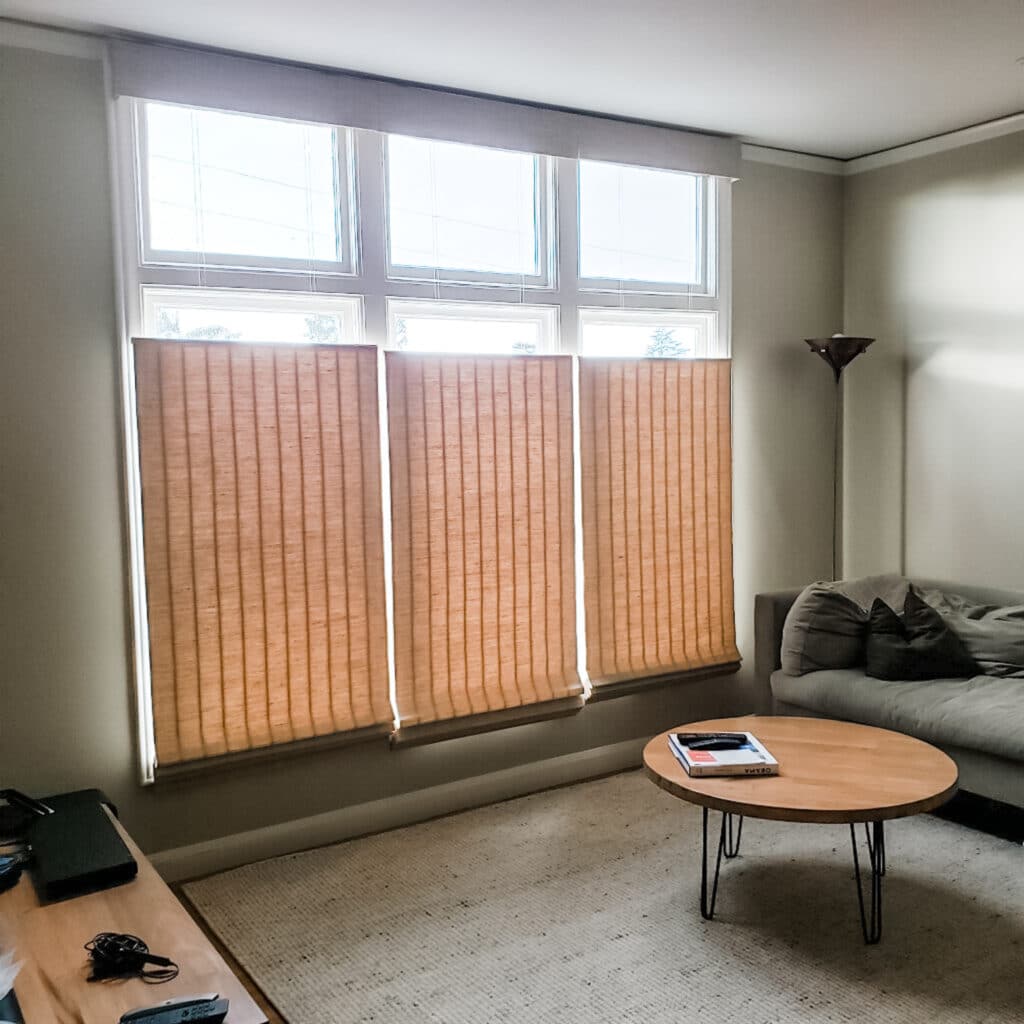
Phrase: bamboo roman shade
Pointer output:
(482, 533)
(261, 496)
(657, 516)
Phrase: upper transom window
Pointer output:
(641, 228)
(235, 190)
(466, 213)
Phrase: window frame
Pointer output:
(348, 308)
(345, 224)
(705, 321)
(708, 228)
(371, 278)
(565, 297)
(544, 316)
(547, 245)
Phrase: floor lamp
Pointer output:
(838, 351)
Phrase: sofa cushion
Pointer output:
(983, 713)
(827, 625)
(993, 635)
(917, 646)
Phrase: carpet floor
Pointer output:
(579, 906)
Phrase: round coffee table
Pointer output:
(829, 772)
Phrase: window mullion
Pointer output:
(567, 248)
(372, 233)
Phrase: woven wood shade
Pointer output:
(482, 528)
(263, 542)
(657, 516)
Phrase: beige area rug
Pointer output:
(579, 906)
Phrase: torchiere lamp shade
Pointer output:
(839, 350)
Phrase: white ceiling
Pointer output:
(837, 78)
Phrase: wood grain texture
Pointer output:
(52, 986)
(829, 771)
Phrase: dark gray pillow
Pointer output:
(827, 624)
(993, 636)
(920, 645)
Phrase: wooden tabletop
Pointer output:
(48, 938)
(829, 771)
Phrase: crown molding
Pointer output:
(885, 158)
(937, 144)
(788, 158)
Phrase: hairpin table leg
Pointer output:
(871, 918)
(728, 847)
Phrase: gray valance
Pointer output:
(178, 74)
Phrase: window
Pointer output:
(228, 189)
(465, 212)
(466, 327)
(414, 243)
(655, 334)
(479, 525)
(641, 226)
(212, 314)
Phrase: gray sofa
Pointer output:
(979, 722)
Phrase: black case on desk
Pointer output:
(9, 1009)
(77, 849)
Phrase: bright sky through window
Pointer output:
(638, 224)
(240, 186)
(646, 333)
(639, 341)
(458, 207)
(232, 314)
(462, 327)
(244, 325)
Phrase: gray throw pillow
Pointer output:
(826, 627)
(993, 636)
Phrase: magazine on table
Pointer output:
(705, 754)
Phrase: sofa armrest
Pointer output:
(770, 611)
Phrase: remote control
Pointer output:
(207, 1009)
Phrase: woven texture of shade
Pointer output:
(657, 516)
(482, 528)
(263, 536)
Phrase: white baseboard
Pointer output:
(199, 859)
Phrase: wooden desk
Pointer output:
(52, 986)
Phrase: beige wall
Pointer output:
(935, 422)
(65, 707)
(65, 715)
(787, 271)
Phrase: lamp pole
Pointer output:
(838, 351)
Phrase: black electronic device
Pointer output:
(10, 1011)
(10, 871)
(713, 740)
(716, 744)
(207, 1009)
(17, 811)
(76, 849)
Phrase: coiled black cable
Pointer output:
(116, 955)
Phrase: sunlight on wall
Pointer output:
(985, 366)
